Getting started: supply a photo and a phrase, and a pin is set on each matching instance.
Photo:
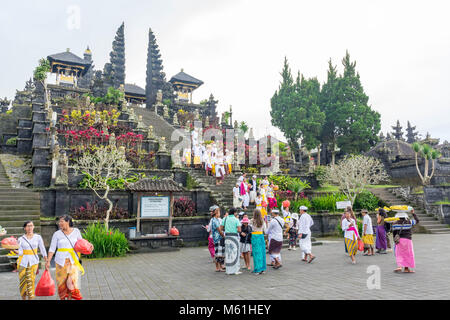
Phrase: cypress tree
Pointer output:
(358, 125)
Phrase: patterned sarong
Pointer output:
(352, 246)
(232, 253)
(219, 251)
(27, 277)
(62, 274)
(404, 253)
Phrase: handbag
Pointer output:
(360, 245)
(37, 257)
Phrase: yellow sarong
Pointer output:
(27, 277)
(368, 239)
(352, 246)
(75, 258)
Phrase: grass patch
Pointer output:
(327, 188)
(382, 186)
(446, 201)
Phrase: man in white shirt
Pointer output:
(275, 234)
(304, 233)
(367, 236)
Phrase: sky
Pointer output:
(237, 48)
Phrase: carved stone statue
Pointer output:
(140, 125)
(207, 121)
(162, 145)
(250, 134)
(175, 119)
(150, 134)
(132, 116)
(166, 112)
(105, 127)
(62, 172)
(112, 140)
(122, 152)
(159, 96)
(196, 114)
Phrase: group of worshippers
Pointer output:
(208, 156)
(249, 191)
(235, 236)
(400, 228)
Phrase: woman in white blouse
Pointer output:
(28, 262)
(66, 259)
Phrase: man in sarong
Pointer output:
(232, 227)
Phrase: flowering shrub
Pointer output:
(183, 207)
(141, 159)
(78, 118)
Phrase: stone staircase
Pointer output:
(428, 223)
(222, 194)
(161, 127)
(16, 207)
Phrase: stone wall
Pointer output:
(190, 228)
(407, 194)
(58, 201)
(404, 172)
(433, 194)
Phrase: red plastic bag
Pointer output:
(174, 231)
(360, 245)
(83, 246)
(45, 286)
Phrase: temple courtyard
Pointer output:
(189, 274)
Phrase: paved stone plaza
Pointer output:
(189, 274)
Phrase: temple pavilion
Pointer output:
(69, 67)
(183, 85)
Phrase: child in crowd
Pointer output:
(245, 241)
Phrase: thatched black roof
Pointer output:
(184, 77)
(134, 90)
(151, 185)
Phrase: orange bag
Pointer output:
(10, 243)
(45, 286)
(360, 245)
(83, 246)
(174, 231)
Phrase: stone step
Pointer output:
(5, 267)
(18, 230)
(32, 201)
(19, 207)
(442, 230)
(19, 214)
(18, 223)
(435, 226)
(37, 229)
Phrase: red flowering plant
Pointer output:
(183, 207)
(130, 139)
(96, 212)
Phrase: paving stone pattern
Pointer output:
(189, 274)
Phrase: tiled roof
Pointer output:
(161, 185)
(184, 77)
(68, 56)
(134, 89)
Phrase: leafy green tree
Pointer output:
(310, 118)
(284, 111)
(329, 104)
(243, 126)
(40, 74)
